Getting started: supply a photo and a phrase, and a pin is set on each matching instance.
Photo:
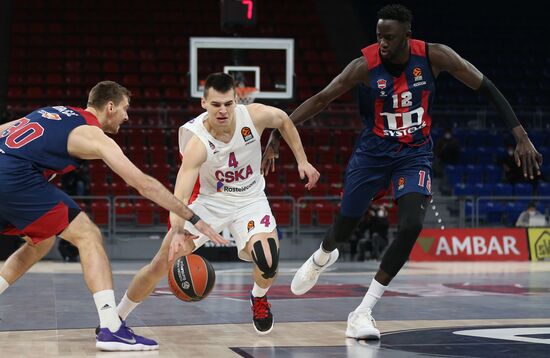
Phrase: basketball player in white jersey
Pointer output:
(221, 150)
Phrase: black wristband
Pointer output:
(489, 91)
(194, 219)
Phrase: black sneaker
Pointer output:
(261, 314)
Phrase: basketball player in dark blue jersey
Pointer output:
(56, 140)
(396, 76)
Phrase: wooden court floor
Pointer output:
(437, 309)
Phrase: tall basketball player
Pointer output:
(398, 77)
(220, 177)
(56, 140)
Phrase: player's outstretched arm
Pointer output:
(88, 142)
(354, 73)
(271, 117)
(193, 157)
(443, 58)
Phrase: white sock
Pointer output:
(257, 291)
(126, 306)
(106, 307)
(3, 284)
(376, 290)
(321, 257)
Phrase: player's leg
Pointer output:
(255, 233)
(412, 188)
(147, 278)
(113, 334)
(264, 250)
(362, 184)
(23, 259)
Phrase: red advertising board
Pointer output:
(471, 245)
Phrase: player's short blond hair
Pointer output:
(106, 91)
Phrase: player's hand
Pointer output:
(528, 158)
(208, 231)
(309, 171)
(179, 240)
(271, 153)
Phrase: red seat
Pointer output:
(306, 213)
(282, 211)
(162, 215)
(275, 189)
(325, 212)
(118, 188)
(100, 212)
(99, 188)
(144, 212)
(297, 190)
(159, 154)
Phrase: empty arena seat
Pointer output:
(282, 211)
(523, 189)
(100, 212)
(503, 189)
(144, 212)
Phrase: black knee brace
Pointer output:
(340, 232)
(411, 213)
(260, 260)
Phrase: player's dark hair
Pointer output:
(396, 12)
(106, 91)
(221, 82)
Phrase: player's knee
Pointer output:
(82, 231)
(268, 268)
(410, 228)
(341, 231)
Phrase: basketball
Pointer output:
(191, 278)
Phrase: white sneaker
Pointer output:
(361, 325)
(307, 275)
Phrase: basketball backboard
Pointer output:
(264, 63)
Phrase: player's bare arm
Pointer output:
(443, 58)
(194, 156)
(353, 74)
(271, 117)
(88, 142)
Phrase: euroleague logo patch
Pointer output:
(250, 225)
(49, 115)
(247, 134)
(401, 183)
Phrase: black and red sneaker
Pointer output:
(261, 314)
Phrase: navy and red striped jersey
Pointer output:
(41, 138)
(398, 108)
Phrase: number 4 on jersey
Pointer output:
(265, 221)
(232, 160)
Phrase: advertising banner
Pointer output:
(539, 243)
(485, 244)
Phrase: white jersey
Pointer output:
(231, 170)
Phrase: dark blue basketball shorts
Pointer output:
(31, 206)
(367, 176)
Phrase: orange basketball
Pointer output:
(191, 278)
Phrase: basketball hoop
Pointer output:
(245, 95)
